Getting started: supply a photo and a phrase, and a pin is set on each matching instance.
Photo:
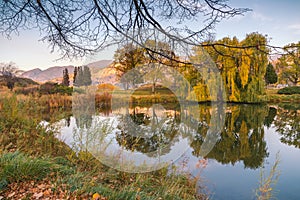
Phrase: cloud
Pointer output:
(261, 17)
(295, 28)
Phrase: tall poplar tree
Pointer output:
(66, 79)
(270, 76)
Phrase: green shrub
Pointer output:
(61, 89)
(54, 88)
(290, 90)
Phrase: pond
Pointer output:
(228, 145)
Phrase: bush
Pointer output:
(290, 90)
(19, 82)
(61, 89)
(27, 91)
(54, 88)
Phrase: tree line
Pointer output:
(81, 77)
(245, 72)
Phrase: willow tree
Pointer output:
(242, 69)
(289, 64)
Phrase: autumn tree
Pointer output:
(289, 64)
(133, 62)
(158, 55)
(126, 61)
(242, 70)
(66, 81)
(8, 70)
(270, 76)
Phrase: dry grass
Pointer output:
(267, 183)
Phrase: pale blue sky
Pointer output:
(280, 20)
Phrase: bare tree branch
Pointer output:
(78, 27)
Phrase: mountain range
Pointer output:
(100, 70)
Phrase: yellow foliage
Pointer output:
(244, 69)
(106, 87)
(202, 92)
(244, 140)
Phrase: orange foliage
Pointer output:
(105, 87)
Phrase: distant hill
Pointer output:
(99, 64)
(48, 74)
(105, 75)
(100, 73)
(31, 73)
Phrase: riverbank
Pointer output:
(71, 175)
(274, 97)
(35, 164)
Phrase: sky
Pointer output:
(279, 19)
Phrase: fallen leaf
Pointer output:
(41, 186)
(11, 194)
(38, 195)
(47, 192)
(22, 190)
(96, 196)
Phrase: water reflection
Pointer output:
(287, 123)
(156, 132)
(270, 117)
(242, 138)
(151, 128)
(248, 140)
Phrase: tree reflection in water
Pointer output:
(150, 128)
(242, 138)
(287, 123)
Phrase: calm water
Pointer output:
(229, 146)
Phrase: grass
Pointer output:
(31, 152)
(145, 95)
(16, 167)
(164, 95)
(274, 97)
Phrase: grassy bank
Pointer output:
(274, 97)
(35, 164)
